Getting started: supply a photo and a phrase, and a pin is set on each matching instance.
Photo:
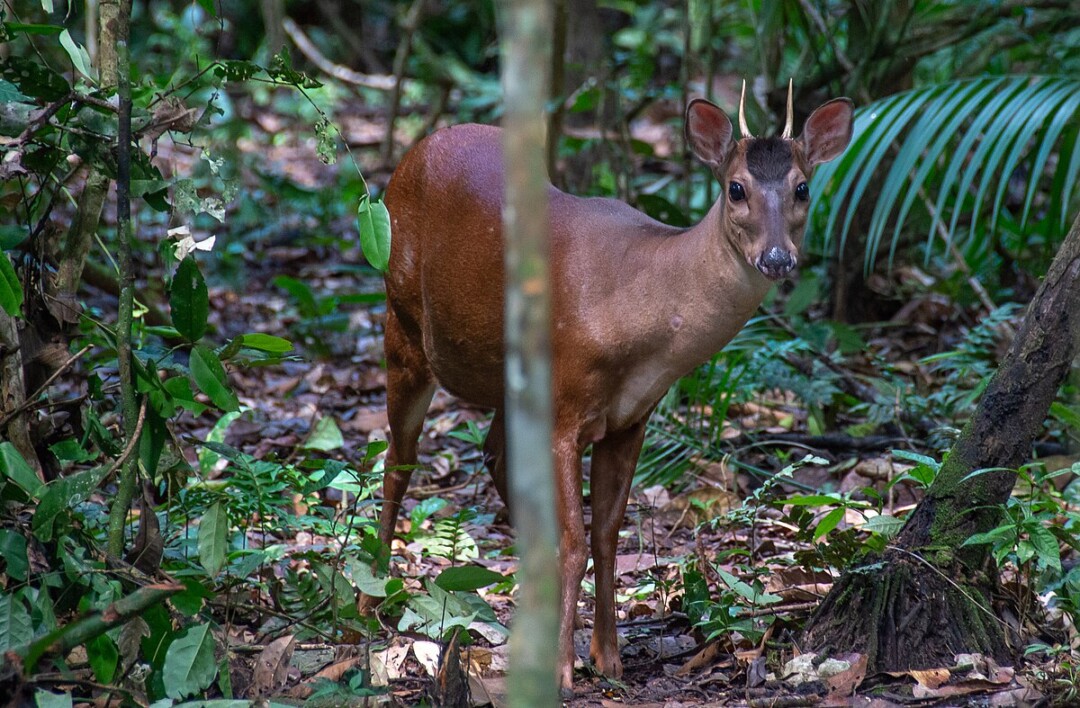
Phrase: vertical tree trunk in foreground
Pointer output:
(525, 33)
(927, 597)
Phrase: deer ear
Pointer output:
(828, 131)
(709, 131)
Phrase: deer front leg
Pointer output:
(613, 461)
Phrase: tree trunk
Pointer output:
(525, 44)
(928, 597)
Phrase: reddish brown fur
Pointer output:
(636, 305)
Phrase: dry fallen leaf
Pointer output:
(272, 667)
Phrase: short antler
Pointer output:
(742, 113)
(786, 135)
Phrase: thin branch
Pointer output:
(30, 401)
(380, 82)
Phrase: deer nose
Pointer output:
(776, 262)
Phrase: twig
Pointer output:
(973, 283)
(38, 121)
(819, 22)
(132, 443)
(401, 57)
(29, 402)
(380, 82)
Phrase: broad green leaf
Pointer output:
(13, 551)
(61, 495)
(747, 591)
(11, 291)
(189, 301)
(828, 522)
(302, 294)
(189, 663)
(996, 534)
(10, 93)
(884, 524)
(34, 78)
(78, 54)
(266, 343)
(15, 626)
(916, 458)
(103, 657)
(1046, 546)
(16, 469)
(468, 578)
(373, 222)
(365, 580)
(213, 538)
(209, 376)
(191, 601)
(325, 436)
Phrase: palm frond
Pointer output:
(951, 150)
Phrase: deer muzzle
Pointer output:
(776, 262)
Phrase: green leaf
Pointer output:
(189, 664)
(208, 457)
(33, 28)
(813, 500)
(103, 657)
(828, 522)
(10, 93)
(13, 551)
(946, 154)
(11, 292)
(15, 468)
(34, 79)
(746, 591)
(887, 526)
(62, 495)
(189, 300)
(209, 376)
(213, 538)
(1046, 546)
(373, 222)
(302, 294)
(266, 343)
(15, 626)
(325, 436)
(78, 54)
(468, 578)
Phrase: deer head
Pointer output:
(766, 196)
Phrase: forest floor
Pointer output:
(667, 530)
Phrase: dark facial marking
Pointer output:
(768, 159)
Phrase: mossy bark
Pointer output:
(928, 597)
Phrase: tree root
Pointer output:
(903, 613)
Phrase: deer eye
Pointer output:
(802, 192)
(736, 192)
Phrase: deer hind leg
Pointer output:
(613, 462)
(495, 455)
(409, 388)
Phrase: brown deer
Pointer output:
(636, 304)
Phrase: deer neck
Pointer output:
(713, 291)
(700, 292)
